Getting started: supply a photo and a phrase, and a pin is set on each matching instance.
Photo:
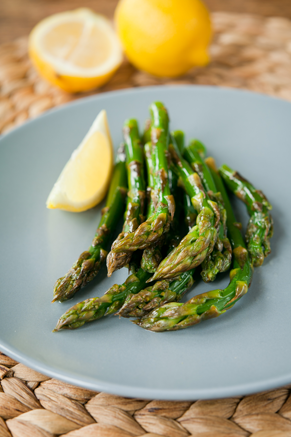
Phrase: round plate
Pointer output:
(244, 351)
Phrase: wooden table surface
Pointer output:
(17, 17)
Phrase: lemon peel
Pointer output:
(84, 180)
(162, 37)
(76, 50)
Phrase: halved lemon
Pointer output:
(85, 178)
(76, 50)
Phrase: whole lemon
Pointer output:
(164, 37)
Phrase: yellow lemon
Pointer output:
(76, 50)
(164, 37)
(85, 178)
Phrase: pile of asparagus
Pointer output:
(178, 222)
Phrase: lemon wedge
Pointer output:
(76, 50)
(85, 178)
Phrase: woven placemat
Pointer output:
(33, 405)
(248, 52)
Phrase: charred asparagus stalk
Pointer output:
(199, 148)
(146, 137)
(190, 213)
(220, 258)
(152, 297)
(179, 138)
(175, 316)
(88, 264)
(134, 214)
(199, 242)
(153, 229)
(260, 226)
(150, 178)
(151, 256)
(98, 307)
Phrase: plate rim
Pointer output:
(141, 392)
(133, 90)
(120, 389)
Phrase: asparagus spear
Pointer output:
(150, 178)
(152, 297)
(199, 242)
(152, 230)
(190, 213)
(146, 137)
(98, 307)
(260, 226)
(88, 264)
(220, 258)
(163, 291)
(199, 148)
(193, 156)
(135, 196)
(140, 304)
(175, 316)
(179, 138)
(151, 256)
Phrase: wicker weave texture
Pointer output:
(248, 52)
(33, 405)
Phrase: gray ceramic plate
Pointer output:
(244, 351)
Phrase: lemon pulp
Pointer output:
(85, 178)
(76, 50)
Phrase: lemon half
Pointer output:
(76, 50)
(84, 180)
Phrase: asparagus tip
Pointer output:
(136, 321)
(57, 297)
(211, 163)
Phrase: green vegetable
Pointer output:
(151, 256)
(200, 240)
(138, 305)
(220, 258)
(175, 316)
(98, 307)
(260, 226)
(153, 229)
(88, 264)
(134, 214)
